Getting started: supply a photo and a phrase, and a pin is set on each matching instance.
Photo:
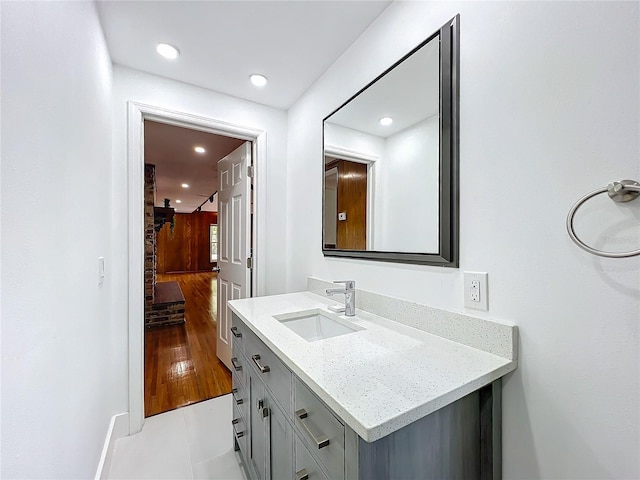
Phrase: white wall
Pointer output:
(355, 140)
(58, 385)
(407, 194)
(549, 110)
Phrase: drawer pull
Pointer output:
(234, 362)
(262, 369)
(234, 422)
(235, 332)
(302, 475)
(239, 401)
(322, 440)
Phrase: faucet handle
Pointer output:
(348, 284)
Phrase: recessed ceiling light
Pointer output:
(385, 121)
(185, 185)
(167, 51)
(258, 80)
(199, 149)
(178, 201)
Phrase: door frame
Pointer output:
(136, 114)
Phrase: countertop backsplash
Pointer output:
(490, 336)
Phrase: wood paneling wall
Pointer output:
(188, 251)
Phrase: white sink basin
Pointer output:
(316, 324)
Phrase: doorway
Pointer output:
(181, 364)
(137, 114)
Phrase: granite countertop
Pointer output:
(378, 379)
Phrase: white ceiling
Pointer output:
(223, 42)
(171, 150)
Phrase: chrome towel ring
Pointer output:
(622, 192)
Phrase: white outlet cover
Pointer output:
(476, 297)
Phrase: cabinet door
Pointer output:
(259, 426)
(281, 444)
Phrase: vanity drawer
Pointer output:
(239, 369)
(320, 429)
(306, 467)
(270, 370)
(240, 397)
(240, 431)
(238, 334)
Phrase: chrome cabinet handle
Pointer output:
(264, 411)
(262, 369)
(235, 332)
(239, 401)
(302, 475)
(322, 440)
(234, 422)
(234, 362)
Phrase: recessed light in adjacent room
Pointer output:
(178, 201)
(185, 185)
(258, 80)
(386, 121)
(167, 51)
(199, 149)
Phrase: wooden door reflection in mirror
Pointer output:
(345, 205)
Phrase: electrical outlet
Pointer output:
(476, 293)
(475, 290)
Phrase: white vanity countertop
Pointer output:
(378, 379)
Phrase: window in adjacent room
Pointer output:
(213, 240)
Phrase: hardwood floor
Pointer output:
(180, 362)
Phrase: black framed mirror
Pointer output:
(390, 155)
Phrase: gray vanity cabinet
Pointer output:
(270, 438)
(259, 415)
(266, 447)
(281, 445)
(320, 430)
(284, 431)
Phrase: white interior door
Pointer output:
(234, 203)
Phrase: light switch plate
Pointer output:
(476, 291)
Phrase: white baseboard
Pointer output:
(118, 427)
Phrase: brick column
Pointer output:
(149, 240)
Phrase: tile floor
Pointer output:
(194, 442)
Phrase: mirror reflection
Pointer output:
(389, 135)
(388, 180)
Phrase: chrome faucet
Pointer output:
(349, 292)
